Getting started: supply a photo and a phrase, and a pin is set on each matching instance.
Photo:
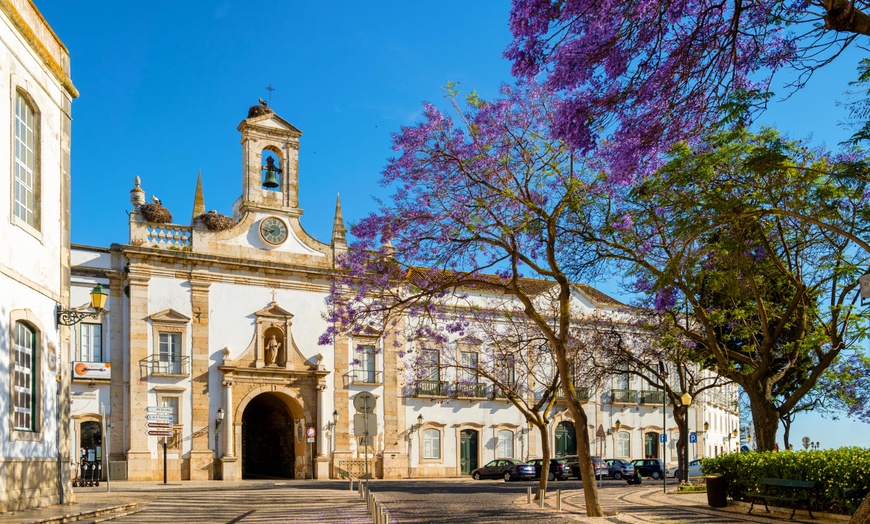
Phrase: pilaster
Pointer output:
(201, 455)
(140, 462)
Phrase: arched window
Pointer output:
(24, 168)
(623, 444)
(24, 378)
(505, 444)
(431, 444)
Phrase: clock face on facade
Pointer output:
(273, 230)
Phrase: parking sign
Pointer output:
(663, 437)
(693, 437)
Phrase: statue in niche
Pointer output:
(272, 347)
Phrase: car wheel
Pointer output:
(507, 476)
(656, 475)
(677, 475)
(551, 477)
(476, 476)
(617, 475)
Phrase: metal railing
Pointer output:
(364, 376)
(433, 388)
(580, 393)
(162, 365)
(652, 397)
(623, 396)
(472, 391)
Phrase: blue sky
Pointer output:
(164, 84)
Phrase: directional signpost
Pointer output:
(160, 419)
(364, 422)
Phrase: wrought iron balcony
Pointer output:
(165, 366)
(472, 390)
(365, 376)
(652, 397)
(580, 393)
(623, 396)
(434, 388)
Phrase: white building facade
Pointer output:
(211, 346)
(35, 100)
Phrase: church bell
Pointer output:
(271, 179)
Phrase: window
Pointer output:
(431, 444)
(468, 374)
(170, 354)
(622, 378)
(430, 381)
(91, 348)
(24, 169)
(173, 402)
(505, 444)
(24, 378)
(623, 444)
(366, 366)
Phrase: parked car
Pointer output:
(598, 466)
(695, 470)
(508, 469)
(654, 468)
(619, 469)
(559, 470)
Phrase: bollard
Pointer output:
(375, 511)
(543, 494)
(529, 497)
(558, 500)
(351, 482)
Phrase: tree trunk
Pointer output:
(545, 462)
(765, 418)
(681, 417)
(587, 472)
(862, 515)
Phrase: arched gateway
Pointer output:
(268, 439)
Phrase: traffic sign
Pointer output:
(159, 418)
(663, 437)
(160, 432)
(310, 432)
(364, 402)
(693, 438)
(159, 424)
(163, 410)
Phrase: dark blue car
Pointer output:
(508, 469)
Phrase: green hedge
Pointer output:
(837, 470)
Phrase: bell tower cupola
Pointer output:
(270, 163)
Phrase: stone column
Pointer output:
(117, 409)
(140, 463)
(201, 454)
(229, 462)
(321, 462)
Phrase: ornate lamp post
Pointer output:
(413, 429)
(686, 399)
(69, 317)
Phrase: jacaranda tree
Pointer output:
(482, 200)
(640, 75)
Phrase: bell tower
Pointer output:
(270, 163)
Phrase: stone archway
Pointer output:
(268, 438)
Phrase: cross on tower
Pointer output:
(269, 88)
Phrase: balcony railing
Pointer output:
(623, 396)
(433, 388)
(365, 376)
(472, 390)
(652, 397)
(580, 393)
(167, 366)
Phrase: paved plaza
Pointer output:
(407, 501)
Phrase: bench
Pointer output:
(792, 492)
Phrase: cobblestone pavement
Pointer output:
(418, 501)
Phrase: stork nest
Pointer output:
(155, 213)
(215, 221)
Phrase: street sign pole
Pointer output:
(164, 459)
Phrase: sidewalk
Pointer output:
(103, 502)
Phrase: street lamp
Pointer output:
(330, 427)
(218, 420)
(69, 317)
(686, 399)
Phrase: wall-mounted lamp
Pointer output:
(617, 425)
(218, 420)
(706, 427)
(415, 427)
(69, 317)
(331, 424)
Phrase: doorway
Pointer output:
(468, 451)
(651, 445)
(268, 445)
(566, 439)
